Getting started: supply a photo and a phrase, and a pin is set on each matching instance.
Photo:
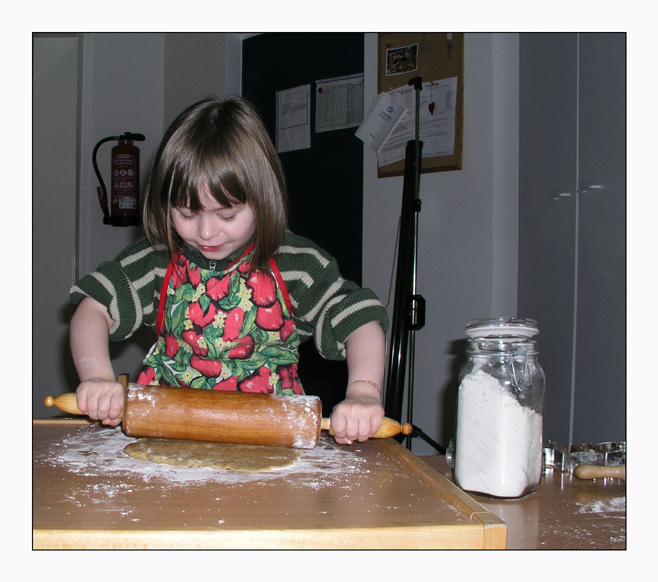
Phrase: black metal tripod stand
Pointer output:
(408, 307)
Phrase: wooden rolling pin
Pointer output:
(223, 417)
(599, 472)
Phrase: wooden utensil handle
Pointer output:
(65, 402)
(389, 428)
(598, 472)
(68, 402)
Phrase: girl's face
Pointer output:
(215, 230)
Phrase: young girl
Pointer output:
(230, 291)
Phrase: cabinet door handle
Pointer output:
(560, 196)
(586, 190)
(591, 188)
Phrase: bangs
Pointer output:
(190, 181)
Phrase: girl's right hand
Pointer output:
(101, 400)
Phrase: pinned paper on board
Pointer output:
(293, 119)
(403, 57)
(338, 103)
(380, 122)
(391, 122)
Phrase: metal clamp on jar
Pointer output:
(500, 406)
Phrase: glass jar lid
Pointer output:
(502, 327)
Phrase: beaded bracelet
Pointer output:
(369, 382)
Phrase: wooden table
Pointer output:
(564, 513)
(89, 494)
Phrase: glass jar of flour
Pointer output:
(500, 406)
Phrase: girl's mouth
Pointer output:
(206, 249)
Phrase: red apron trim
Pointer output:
(249, 249)
(282, 285)
(163, 297)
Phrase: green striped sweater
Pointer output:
(325, 306)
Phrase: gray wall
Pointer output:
(468, 225)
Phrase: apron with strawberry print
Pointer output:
(229, 330)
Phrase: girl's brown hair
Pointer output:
(221, 145)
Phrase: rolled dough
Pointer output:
(232, 457)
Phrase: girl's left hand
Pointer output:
(356, 418)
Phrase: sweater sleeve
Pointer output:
(129, 286)
(325, 306)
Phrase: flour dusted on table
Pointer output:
(498, 442)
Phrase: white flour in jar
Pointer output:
(498, 441)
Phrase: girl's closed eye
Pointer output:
(225, 215)
(185, 213)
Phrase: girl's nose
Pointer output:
(208, 227)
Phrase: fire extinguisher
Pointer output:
(124, 181)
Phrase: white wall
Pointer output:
(197, 65)
(55, 138)
(122, 90)
(467, 226)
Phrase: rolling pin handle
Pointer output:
(69, 402)
(65, 402)
(389, 428)
(598, 472)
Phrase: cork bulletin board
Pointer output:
(433, 56)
